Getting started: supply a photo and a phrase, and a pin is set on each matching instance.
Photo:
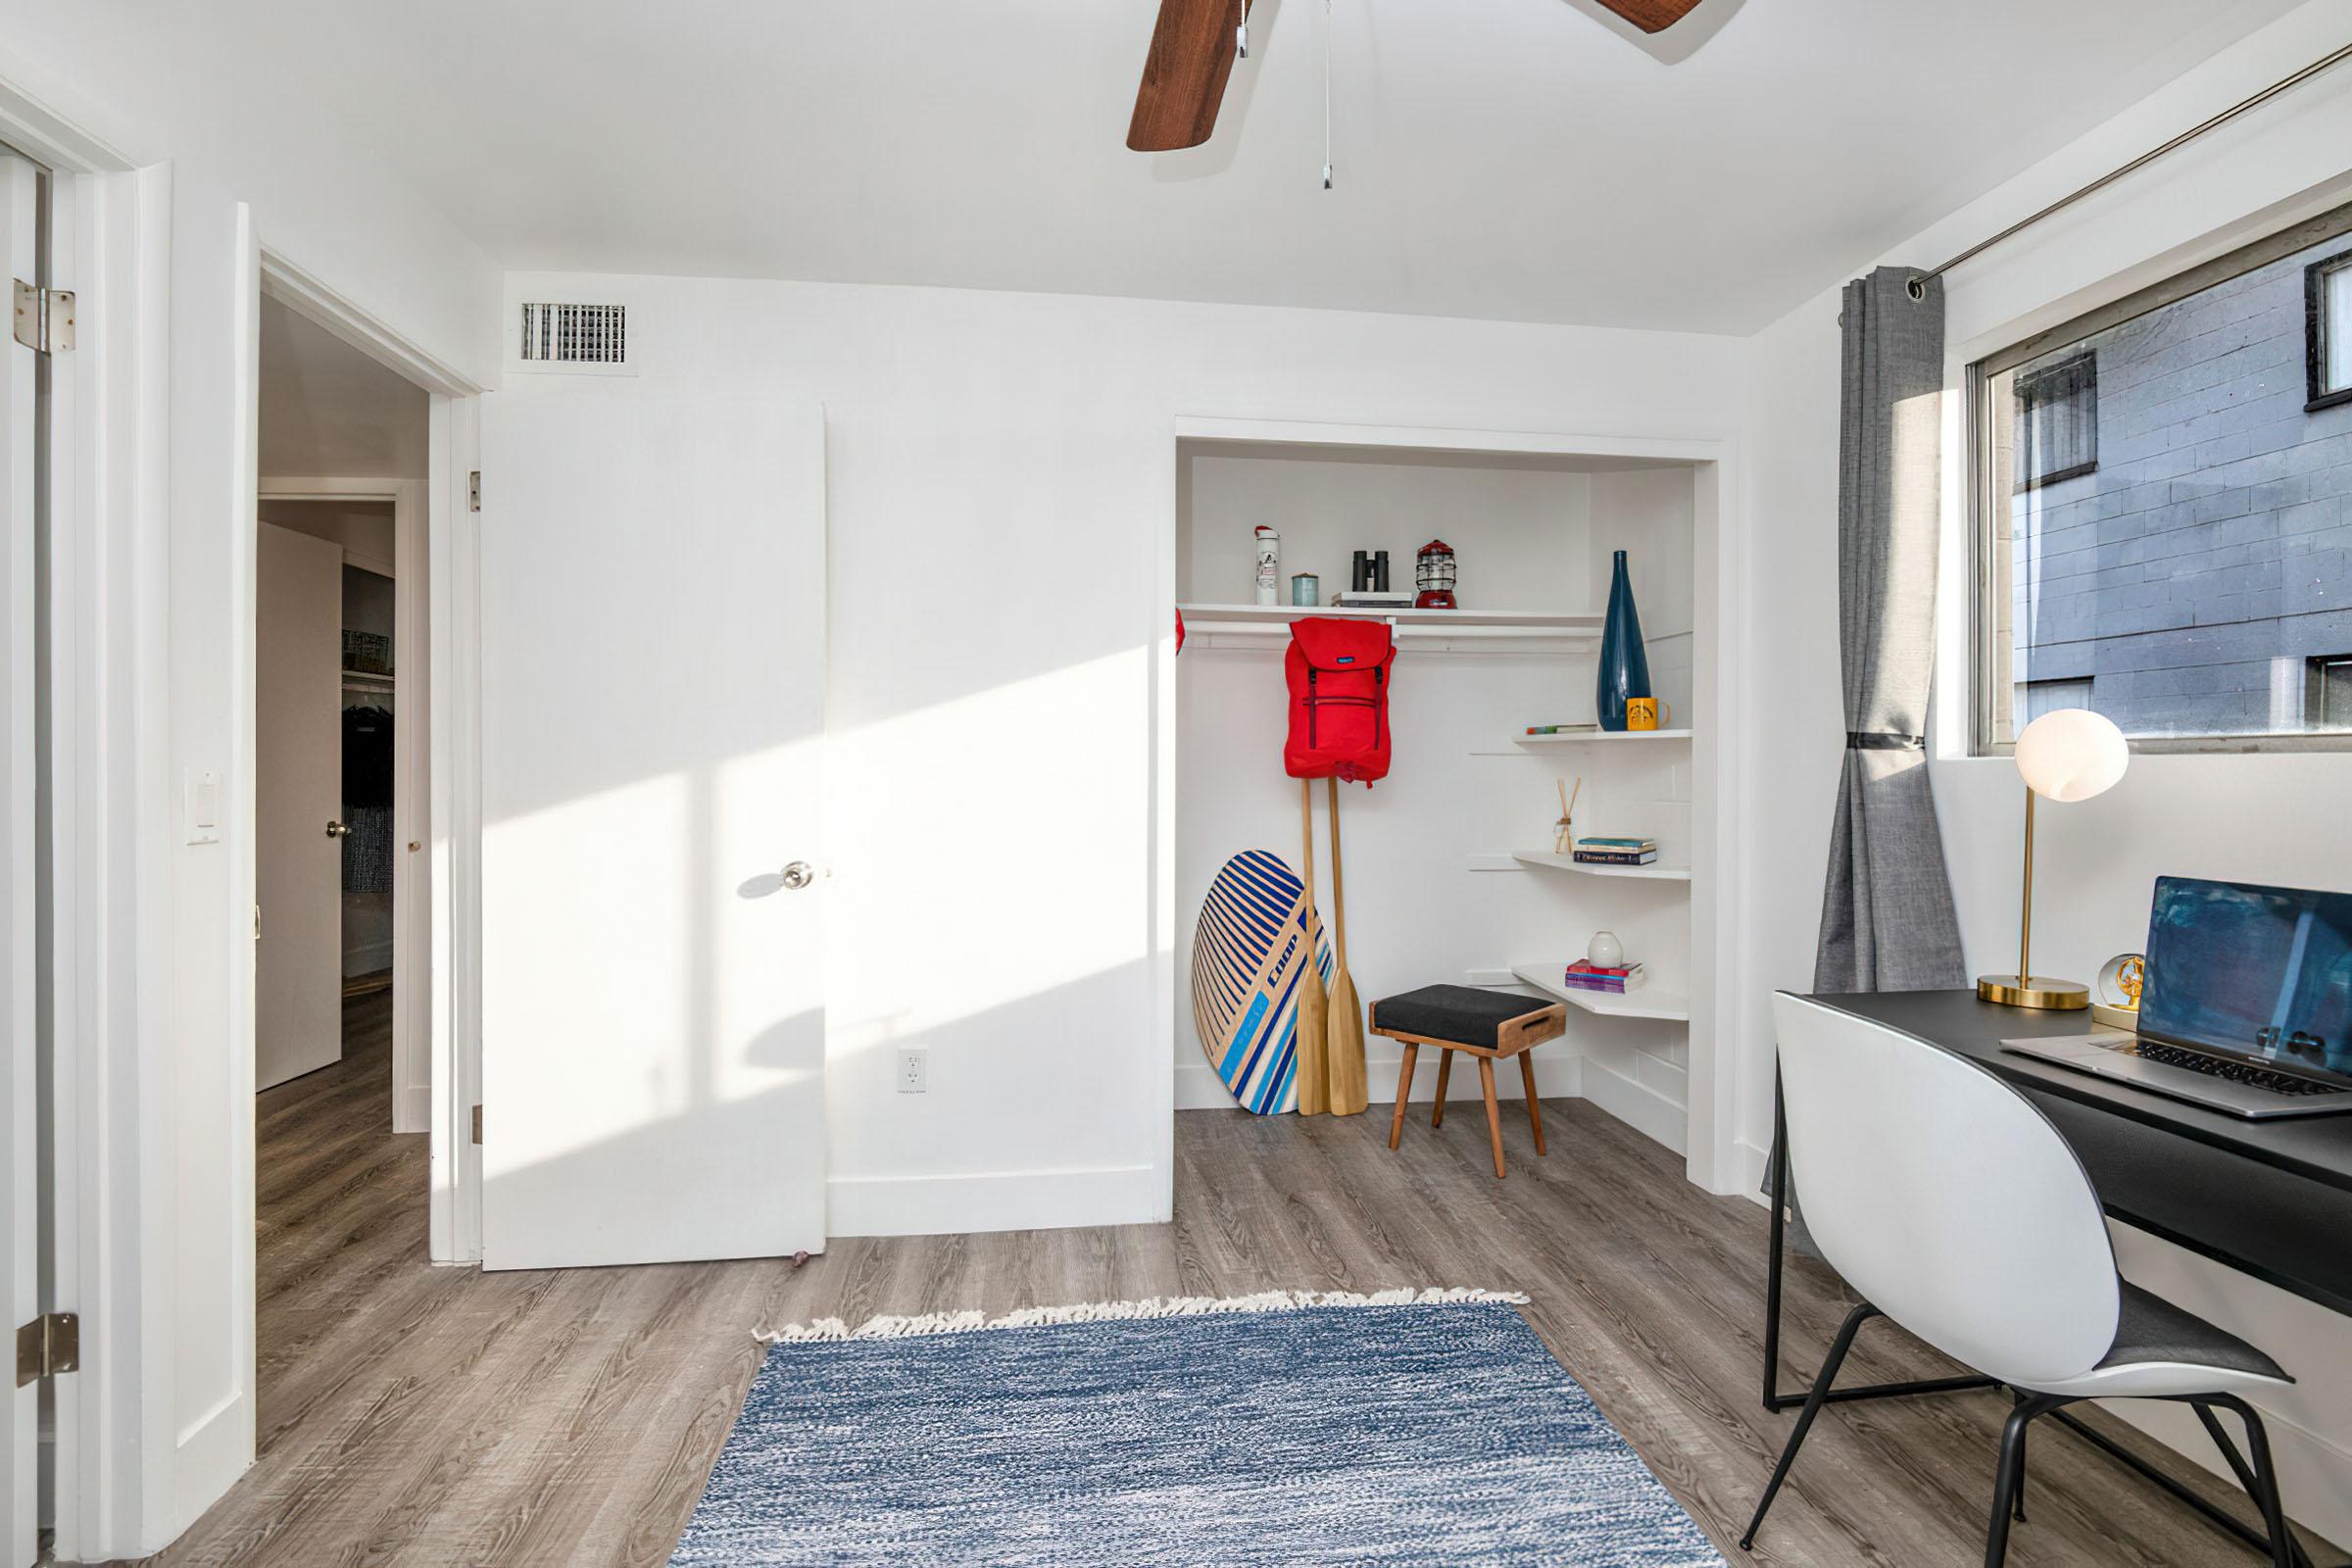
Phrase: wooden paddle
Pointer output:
(1345, 1040)
(1314, 1087)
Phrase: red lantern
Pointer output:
(1433, 575)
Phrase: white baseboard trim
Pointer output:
(1559, 1075)
(413, 1109)
(1642, 1109)
(1748, 1169)
(996, 1200)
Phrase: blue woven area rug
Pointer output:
(1388, 1430)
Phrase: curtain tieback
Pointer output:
(1858, 740)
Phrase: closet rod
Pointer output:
(1918, 285)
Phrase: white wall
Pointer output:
(255, 158)
(2246, 816)
(1001, 470)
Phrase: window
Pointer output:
(2328, 331)
(2058, 422)
(2327, 693)
(2162, 493)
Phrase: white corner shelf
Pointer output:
(1544, 860)
(1643, 1001)
(1610, 737)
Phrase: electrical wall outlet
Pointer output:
(914, 1071)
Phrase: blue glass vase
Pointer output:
(1624, 663)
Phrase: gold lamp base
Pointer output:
(2035, 991)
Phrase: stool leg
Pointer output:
(1437, 1113)
(1404, 1090)
(1486, 1081)
(1535, 1110)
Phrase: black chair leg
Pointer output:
(2263, 1484)
(2017, 1510)
(2010, 1476)
(1804, 1420)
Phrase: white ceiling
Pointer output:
(1515, 159)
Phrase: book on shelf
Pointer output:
(1563, 729)
(1616, 851)
(1370, 601)
(1584, 975)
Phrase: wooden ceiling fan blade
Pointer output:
(1652, 15)
(1193, 49)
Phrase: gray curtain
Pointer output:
(1886, 920)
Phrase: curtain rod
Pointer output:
(1918, 285)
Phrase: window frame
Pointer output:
(1987, 675)
(2084, 370)
(2314, 333)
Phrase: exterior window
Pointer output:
(2163, 508)
(2058, 422)
(2327, 693)
(2328, 331)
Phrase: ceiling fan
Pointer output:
(1194, 46)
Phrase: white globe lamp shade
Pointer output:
(2071, 753)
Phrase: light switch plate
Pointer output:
(200, 806)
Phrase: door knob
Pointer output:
(799, 874)
(338, 830)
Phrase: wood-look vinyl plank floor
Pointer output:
(413, 1414)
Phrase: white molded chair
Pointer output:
(1950, 1204)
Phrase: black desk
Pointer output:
(2272, 1198)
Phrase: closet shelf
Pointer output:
(1544, 860)
(1607, 737)
(1273, 621)
(1646, 1002)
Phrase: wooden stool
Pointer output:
(1488, 1024)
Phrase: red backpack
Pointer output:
(1339, 675)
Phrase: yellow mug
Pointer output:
(1645, 713)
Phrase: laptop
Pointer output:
(2248, 1006)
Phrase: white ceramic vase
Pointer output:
(1605, 952)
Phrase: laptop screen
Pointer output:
(2262, 974)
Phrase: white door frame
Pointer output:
(1715, 1159)
(411, 700)
(435, 541)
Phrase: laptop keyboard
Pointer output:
(2234, 1071)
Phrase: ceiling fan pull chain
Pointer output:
(1240, 33)
(1327, 94)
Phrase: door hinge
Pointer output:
(474, 491)
(47, 1346)
(477, 1124)
(44, 317)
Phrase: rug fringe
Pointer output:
(973, 1320)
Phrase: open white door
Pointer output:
(298, 806)
(653, 637)
(19, 1124)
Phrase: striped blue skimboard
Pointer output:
(1256, 926)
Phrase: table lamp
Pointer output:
(2069, 754)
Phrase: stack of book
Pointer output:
(1616, 851)
(1617, 979)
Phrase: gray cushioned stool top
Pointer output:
(1464, 1014)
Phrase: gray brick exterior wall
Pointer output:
(2192, 574)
